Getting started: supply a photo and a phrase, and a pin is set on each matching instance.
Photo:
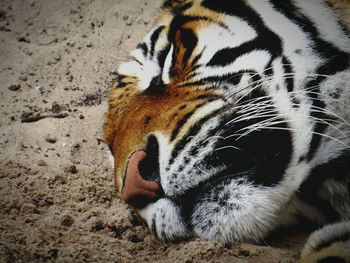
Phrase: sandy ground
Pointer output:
(57, 199)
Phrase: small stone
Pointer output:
(2, 13)
(14, 87)
(125, 17)
(51, 139)
(81, 116)
(72, 169)
(14, 212)
(244, 253)
(76, 146)
(23, 78)
(55, 108)
(28, 209)
(57, 57)
(23, 39)
(70, 78)
(42, 163)
(67, 220)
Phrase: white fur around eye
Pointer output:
(167, 65)
(150, 70)
(144, 73)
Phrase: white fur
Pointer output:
(167, 65)
(166, 216)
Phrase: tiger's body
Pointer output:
(234, 118)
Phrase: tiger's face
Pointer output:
(209, 123)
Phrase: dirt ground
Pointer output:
(57, 200)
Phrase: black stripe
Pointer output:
(192, 132)
(232, 78)
(143, 48)
(154, 38)
(266, 39)
(196, 59)
(120, 83)
(208, 97)
(189, 40)
(182, 122)
(193, 83)
(288, 70)
(343, 237)
(187, 116)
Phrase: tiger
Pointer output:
(231, 120)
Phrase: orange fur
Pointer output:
(132, 115)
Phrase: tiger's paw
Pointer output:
(330, 244)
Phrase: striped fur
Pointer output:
(248, 105)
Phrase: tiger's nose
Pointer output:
(141, 184)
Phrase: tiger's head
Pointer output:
(207, 118)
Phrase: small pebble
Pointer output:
(72, 169)
(55, 108)
(57, 57)
(27, 209)
(14, 87)
(42, 163)
(2, 13)
(23, 78)
(51, 139)
(76, 145)
(23, 39)
(14, 212)
(41, 202)
(67, 220)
